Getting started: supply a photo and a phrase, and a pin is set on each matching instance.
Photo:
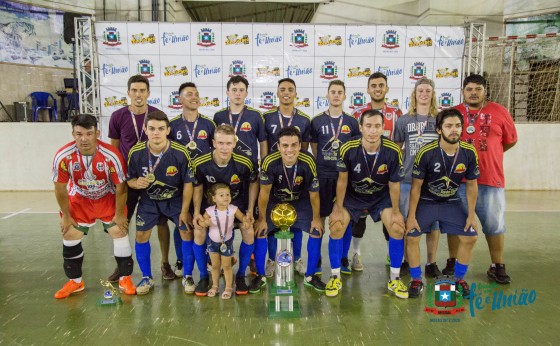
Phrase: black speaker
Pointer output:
(68, 21)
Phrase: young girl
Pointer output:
(219, 218)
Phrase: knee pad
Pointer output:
(125, 265)
(359, 228)
(73, 267)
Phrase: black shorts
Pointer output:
(327, 194)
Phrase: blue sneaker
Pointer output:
(345, 267)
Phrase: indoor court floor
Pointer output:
(363, 314)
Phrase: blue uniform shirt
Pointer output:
(203, 137)
(273, 126)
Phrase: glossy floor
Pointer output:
(364, 313)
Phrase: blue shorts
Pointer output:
(150, 213)
(356, 207)
(304, 215)
(451, 217)
(327, 194)
(404, 204)
(490, 208)
(215, 247)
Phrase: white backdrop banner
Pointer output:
(208, 54)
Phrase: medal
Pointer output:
(293, 184)
(470, 129)
(192, 145)
(223, 248)
(472, 119)
(88, 173)
(151, 177)
(335, 144)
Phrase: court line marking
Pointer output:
(16, 213)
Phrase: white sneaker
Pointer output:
(300, 267)
(189, 285)
(357, 264)
(270, 266)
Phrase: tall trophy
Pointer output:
(110, 295)
(284, 292)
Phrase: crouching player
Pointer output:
(89, 183)
(439, 168)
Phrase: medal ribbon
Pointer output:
(290, 187)
(222, 234)
(191, 135)
(238, 119)
(289, 122)
(337, 132)
(370, 171)
(454, 161)
(152, 167)
(472, 118)
(138, 135)
(88, 165)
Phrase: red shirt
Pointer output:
(391, 115)
(494, 128)
(92, 178)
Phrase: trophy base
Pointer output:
(110, 302)
(283, 302)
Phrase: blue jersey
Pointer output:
(442, 174)
(172, 172)
(322, 134)
(249, 128)
(273, 126)
(289, 183)
(238, 174)
(203, 137)
(369, 174)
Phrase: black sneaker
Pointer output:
(257, 284)
(463, 287)
(315, 282)
(449, 269)
(415, 288)
(432, 270)
(498, 274)
(166, 272)
(240, 286)
(115, 276)
(405, 269)
(201, 289)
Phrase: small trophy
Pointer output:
(110, 295)
(283, 293)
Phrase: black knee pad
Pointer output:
(72, 251)
(73, 267)
(359, 228)
(385, 233)
(125, 265)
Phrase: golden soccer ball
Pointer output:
(283, 215)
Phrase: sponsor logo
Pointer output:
(112, 101)
(236, 39)
(171, 171)
(295, 70)
(390, 72)
(303, 103)
(327, 40)
(394, 103)
(357, 72)
(111, 37)
(154, 101)
(202, 70)
(234, 179)
(357, 40)
(418, 70)
(110, 69)
(357, 100)
(268, 71)
(174, 102)
(447, 73)
(446, 41)
(207, 102)
(245, 127)
(446, 299)
(175, 71)
(299, 39)
(382, 169)
(268, 100)
(100, 166)
(329, 70)
(145, 68)
(171, 38)
(460, 168)
(298, 180)
(237, 68)
(445, 100)
(76, 166)
(345, 129)
(206, 38)
(140, 39)
(247, 101)
(63, 166)
(390, 39)
(202, 135)
(321, 102)
(419, 41)
(264, 39)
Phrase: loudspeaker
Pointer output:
(68, 21)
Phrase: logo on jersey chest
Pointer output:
(171, 171)
(298, 180)
(234, 179)
(345, 129)
(100, 166)
(388, 116)
(382, 169)
(202, 134)
(460, 168)
(246, 127)
(76, 166)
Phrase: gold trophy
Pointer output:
(283, 294)
(110, 295)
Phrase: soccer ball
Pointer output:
(283, 215)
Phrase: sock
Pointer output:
(395, 273)
(416, 273)
(143, 258)
(260, 255)
(356, 245)
(493, 265)
(272, 248)
(460, 270)
(199, 252)
(396, 252)
(346, 241)
(313, 254)
(187, 257)
(121, 247)
(335, 272)
(178, 242)
(297, 243)
(245, 251)
(335, 250)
